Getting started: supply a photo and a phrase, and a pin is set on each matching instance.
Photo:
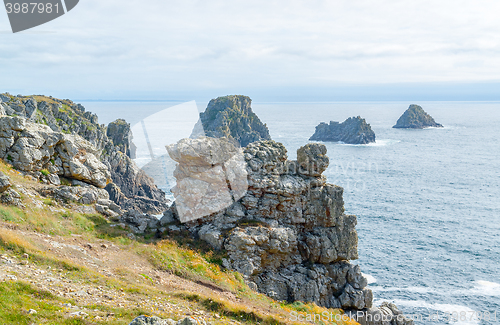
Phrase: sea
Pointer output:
(427, 201)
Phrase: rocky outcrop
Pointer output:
(354, 130)
(109, 146)
(4, 182)
(416, 118)
(288, 235)
(119, 132)
(232, 117)
(33, 147)
(211, 175)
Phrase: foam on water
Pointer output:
(437, 313)
(370, 278)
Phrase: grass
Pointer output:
(191, 259)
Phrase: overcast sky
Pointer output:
(270, 50)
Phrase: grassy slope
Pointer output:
(196, 285)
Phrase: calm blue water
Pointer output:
(427, 201)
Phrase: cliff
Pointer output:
(48, 137)
(354, 130)
(415, 118)
(232, 117)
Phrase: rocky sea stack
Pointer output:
(416, 118)
(232, 117)
(354, 130)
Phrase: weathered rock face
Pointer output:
(110, 147)
(232, 117)
(33, 147)
(288, 235)
(354, 130)
(211, 175)
(415, 118)
(119, 132)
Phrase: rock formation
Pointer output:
(232, 117)
(33, 147)
(354, 130)
(288, 235)
(51, 132)
(415, 118)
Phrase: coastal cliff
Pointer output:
(354, 130)
(288, 234)
(50, 138)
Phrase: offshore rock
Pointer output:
(232, 117)
(354, 130)
(288, 235)
(416, 118)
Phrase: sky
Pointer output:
(270, 50)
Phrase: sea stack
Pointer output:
(416, 118)
(232, 117)
(354, 130)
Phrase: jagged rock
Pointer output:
(232, 117)
(150, 320)
(354, 130)
(11, 197)
(415, 118)
(32, 147)
(119, 132)
(312, 159)
(288, 235)
(70, 119)
(4, 182)
(211, 174)
(386, 314)
(139, 222)
(136, 188)
(81, 194)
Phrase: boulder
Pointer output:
(211, 175)
(4, 182)
(232, 117)
(416, 118)
(354, 130)
(32, 147)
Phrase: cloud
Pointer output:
(193, 45)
